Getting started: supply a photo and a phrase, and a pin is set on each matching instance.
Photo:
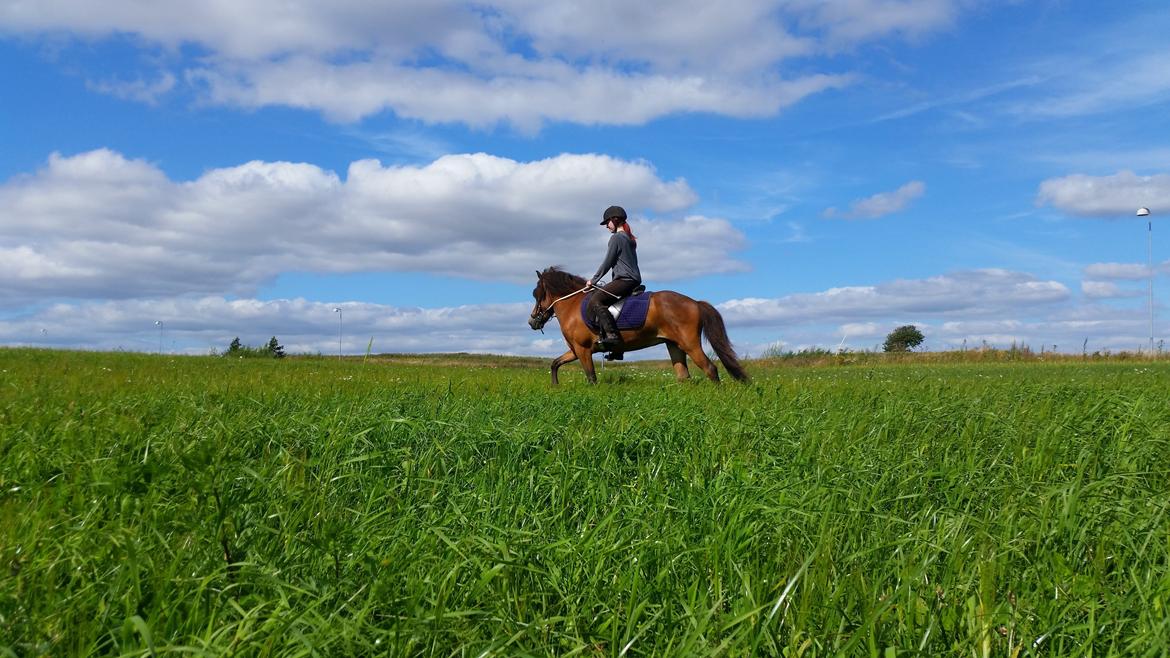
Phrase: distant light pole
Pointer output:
(1145, 212)
(159, 324)
(340, 316)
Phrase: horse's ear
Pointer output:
(538, 274)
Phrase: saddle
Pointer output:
(629, 311)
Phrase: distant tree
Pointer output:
(903, 339)
(275, 349)
(271, 350)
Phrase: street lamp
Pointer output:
(340, 315)
(1145, 212)
(159, 324)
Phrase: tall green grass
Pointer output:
(162, 505)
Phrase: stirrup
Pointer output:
(609, 344)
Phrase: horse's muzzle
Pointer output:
(537, 323)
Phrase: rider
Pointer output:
(622, 258)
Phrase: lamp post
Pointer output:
(340, 315)
(159, 324)
(1145, 212)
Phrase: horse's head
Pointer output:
(540, 313)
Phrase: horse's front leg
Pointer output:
(567, 357)
(585, 354)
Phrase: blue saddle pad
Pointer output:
(632, 316)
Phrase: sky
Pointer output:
(175, 175)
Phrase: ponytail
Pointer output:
(626, 227)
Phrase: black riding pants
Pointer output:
(600, 302)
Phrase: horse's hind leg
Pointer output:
(679, 359)
(567, 357)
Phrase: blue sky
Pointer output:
(821, 171)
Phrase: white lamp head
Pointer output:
(1143, 212)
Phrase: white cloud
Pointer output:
(260, 28)
(1106, 84)
(859, 330)
(995, 306)
(139, 90)
(976, 293)
(519, 61)
(1131, 271)
(99, 225)
(981, 327)
(1106, 290)
(1067, 329)
(1117, 196)
(669, 35)
(196, 325)
(1068, 326)
(557, 91)
(880, 205)
(848, 22)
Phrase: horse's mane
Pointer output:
(559, 282)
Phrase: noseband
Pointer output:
(542, 315)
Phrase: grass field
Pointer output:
(156, 505)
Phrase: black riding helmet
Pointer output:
(616, 213)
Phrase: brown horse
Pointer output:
(672, 318)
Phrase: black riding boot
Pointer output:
(611, 340)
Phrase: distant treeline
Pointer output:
(273, 350)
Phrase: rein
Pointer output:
(546, 313)
(561, 299)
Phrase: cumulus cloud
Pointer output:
(1071, 328)
(1101, 279)
(1131, 271)
(859, 330)
(974, 293)
(880, 205)
(100, 225)
(1065, 327)
(1117, 196)
(1106, 290)
(520, 61)
(962, 308)
(349, 92)
(198, 325)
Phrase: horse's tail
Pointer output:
(716, 333)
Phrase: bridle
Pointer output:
(541, 315)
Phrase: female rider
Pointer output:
(622, 258)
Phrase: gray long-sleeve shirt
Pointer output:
(622, 257)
